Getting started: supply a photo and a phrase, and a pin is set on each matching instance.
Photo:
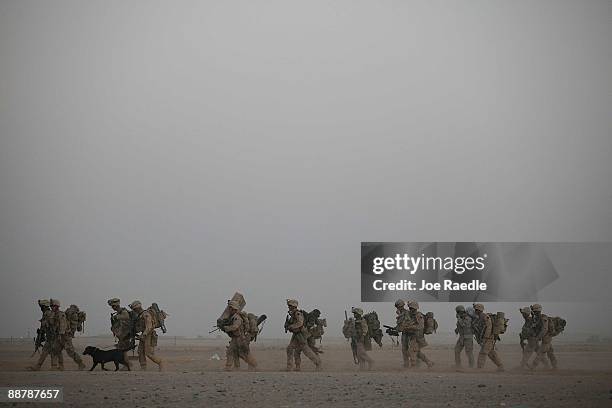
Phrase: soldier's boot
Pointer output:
(482, 358)
(457, 359)
(495, 358)
(298, 361)
(54, 358)
(41, 359)
(553, 360)
(250, 360)
(289, 359)
(158, 361)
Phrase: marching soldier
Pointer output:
(466, 337)
(147, 338)
(121, 326)
(239, 342)
(357, 330)
(50, 346)
(544, 348)
(299, 338)
(402, 322)
(417, 324)
(528, 337)
(62, 333)
(486, 339)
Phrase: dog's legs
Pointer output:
(94, 365)
(103, 367)
(116, 365)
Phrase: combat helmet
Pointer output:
(400, 303)
(357, 310)
(479, 307)
(44, 302)
(113, 301)
(536, 307)
(460, 309)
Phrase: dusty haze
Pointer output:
(178, 151)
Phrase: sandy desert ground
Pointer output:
(192, 378)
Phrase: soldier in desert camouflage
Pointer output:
(527, 337)
(50, 346)
(466, 337)
(486, 338)
(299, 338)
(147, 338)
(356, 329)
(239, 342)
(417, 340)
(121, 326)
(543, 337)
(402, 319)
(62, 333)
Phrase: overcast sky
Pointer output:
(179, 151)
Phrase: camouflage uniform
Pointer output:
(314, 328)
(65, 334)
(50, 346)
(527, 337)
(239, 341)
(466, 337)
(148, 336)
(299, 339)
(402, 317)
(486, 339)
(357, 330)
(121, 327)
(544, 349)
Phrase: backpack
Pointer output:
(314, 325)
(76, 318)
(374, 330)
(158, 317)
(556, 325)
(499, 323)
(251, 328)
(431, 324)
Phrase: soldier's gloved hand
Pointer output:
(456, 331)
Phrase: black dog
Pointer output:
(104, 356)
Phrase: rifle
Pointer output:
(391, 331)
(220, 324)
(38, 341)
(287, 323)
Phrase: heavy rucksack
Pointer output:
(158, 317)
(76, 318)
(374, 331)
(499, 323)
(314, 324)
(556, 325)
(431, 324)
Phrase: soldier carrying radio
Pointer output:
(299, 338)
